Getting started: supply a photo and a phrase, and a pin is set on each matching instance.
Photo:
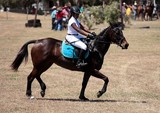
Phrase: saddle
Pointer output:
(70, 51)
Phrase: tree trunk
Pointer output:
(120, 1)
(34, 25)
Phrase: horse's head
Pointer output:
(116, 35)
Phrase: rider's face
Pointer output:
(76, 15)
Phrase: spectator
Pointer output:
(53, 15)
(128, 14)
(59, 17)
(82, 8)
(123, 10)
(134, 9)
(65, 11)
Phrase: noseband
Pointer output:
(113, 33)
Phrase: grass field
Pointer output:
(134, 74)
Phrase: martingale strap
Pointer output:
(73, 34)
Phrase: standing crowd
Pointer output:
(127, 10)
(138, 11)
(59, 16)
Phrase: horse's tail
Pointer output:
(23, 53)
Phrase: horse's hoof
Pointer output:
(83, 98)
(42, 93)
(99, 94)
(28, 94)
(32, 97)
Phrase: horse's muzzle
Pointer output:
(125, 45)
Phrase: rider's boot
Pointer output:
(80, 62)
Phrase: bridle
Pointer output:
(113, 35)
(118, 38)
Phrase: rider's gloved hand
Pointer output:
(91, 36)
(94, 34)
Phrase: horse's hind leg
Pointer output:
(35, 74)
(43, 86)
(30, 79)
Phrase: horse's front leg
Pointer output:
(84, 84)
(97, 74)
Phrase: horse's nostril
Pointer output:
(126, 46)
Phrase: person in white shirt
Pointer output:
(75, 32)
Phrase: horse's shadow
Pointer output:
(96, 100)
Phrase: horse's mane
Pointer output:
(102, 32)
(116, 24)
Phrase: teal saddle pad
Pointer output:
(68, 51)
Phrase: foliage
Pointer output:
(112, 12)
(158, 1)
(62, 2)
(98, 14)
(15, 3)
(86, 19)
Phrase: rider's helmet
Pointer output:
(75, 9)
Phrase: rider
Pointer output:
(75, 28)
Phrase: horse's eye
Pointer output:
(117, 31)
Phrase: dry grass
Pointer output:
(134, 73)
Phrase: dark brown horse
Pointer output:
(148, 12)
(47, 51)
(140, 12)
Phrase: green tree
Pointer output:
(112, 12)
(98, 14)
(16, 3)
(158, 1)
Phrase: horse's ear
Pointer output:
(110, 23)
(121, 25)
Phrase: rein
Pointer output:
(112, 35)
(105, 32)
(105, 42)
